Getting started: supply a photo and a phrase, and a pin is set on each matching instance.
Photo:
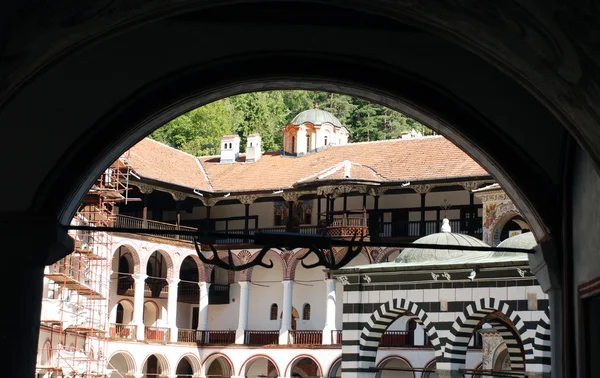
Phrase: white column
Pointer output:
(138, 304)
(203, 308)
(243, 315)
(286, 321)
(172, 308)
(330, 311)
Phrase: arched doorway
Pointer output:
(187, 367)
(305, 367)
(218, 366)
(394, 367)
(260, 366)
(121, 363)
(155, 365)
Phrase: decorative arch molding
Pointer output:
(464, 326)
(380, 254)
(126, 300)
(330, 371)
(163, 363)
(271, 253)
(168, 260)
(214, 357)
(514, 344)
(394, 357)
(194, 362)
(135, 256)
(255, 357)
(129, 360)
(288, 369)
(362, 352)
(496, 214)
(201, 267)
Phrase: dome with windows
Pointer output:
(446, 237)
(316, 116)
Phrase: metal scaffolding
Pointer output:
(75, 307)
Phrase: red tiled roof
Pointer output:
(345, 170)
(400, 160)
(154, 160)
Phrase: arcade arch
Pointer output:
(219, 366)
(260, 366)
(394, 367)
(122, 362)
(304, 367)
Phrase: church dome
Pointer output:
(524, 241)
(316, 117)
(446, 237)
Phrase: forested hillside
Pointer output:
(199, 131)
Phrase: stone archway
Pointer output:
(499, 312)
(361, 352)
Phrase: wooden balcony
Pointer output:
(157, 334)
(218, 294)
(188, 292)
(336, 337)
(156, 287)
(216, 337)
(305, 337)
(261, 337)
(126, 221)
(122, 331)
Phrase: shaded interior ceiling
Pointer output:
(82, 81)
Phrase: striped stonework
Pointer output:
(455, 350)
(514, 344)
(361, 339)
(538, 351)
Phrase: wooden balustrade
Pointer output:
(305, 337)
(261, 337)
(394, 339)
(187, 335)
(336, 337)
(157, 334)
(216, 337)
(188, 292)
(122, 331)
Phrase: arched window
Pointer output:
(306, 312)
(274, 311)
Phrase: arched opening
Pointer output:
(514, 226)
(394, 367)
(46, 354)
(501, 317)
(151, 313)
(305, 367)
(336, 369)
(261, 367)
(124, 264)
(429, 371)
(188, 290)
(155, 365)
(121, 364)
(184, 369)
(123, 316)
(404, 331)
(157, 271)
(218, 367)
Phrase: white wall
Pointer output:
(225, 317)
(266, 288)
(310, 288)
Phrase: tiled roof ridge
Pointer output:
(204, 173)
(335, 168)
(389, 141)
(172, 148)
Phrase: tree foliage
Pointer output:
(199, 131)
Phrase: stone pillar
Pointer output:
(243, 314)
(138, 304)
(172, 308)
(203, 306)
(286, 321)
(330, 311)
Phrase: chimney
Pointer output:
(230, 149)
(253, 148)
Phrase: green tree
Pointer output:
(199, 131)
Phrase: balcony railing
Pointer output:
(126, 221)
(125, 284)
(218, 294)
(157, 334)
(188, 292)
(156, 287)
(261, 337)
(213, 337)
(187, 335)
(394, 339)
(305, 337)
(413, 229)
(122, 331)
